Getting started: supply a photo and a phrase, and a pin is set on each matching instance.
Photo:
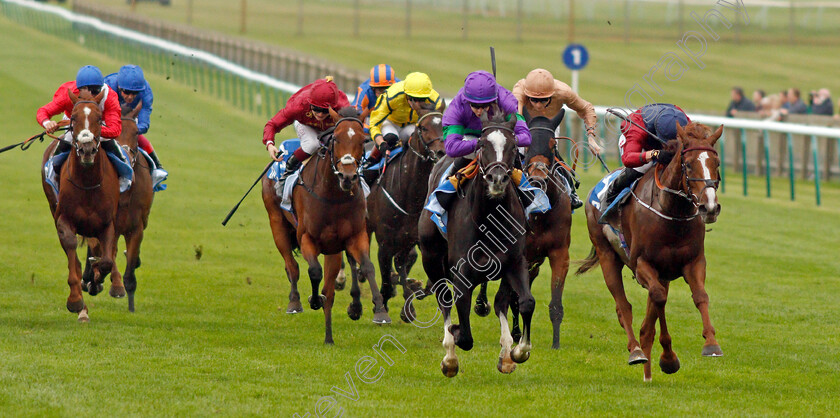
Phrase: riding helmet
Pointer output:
(539, 84)
(480, 87)
(323, 93)
(418, 85)
(131, 78)
(89, 75)
(666, 122)
(382, 76)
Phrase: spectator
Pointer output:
(771, 107)
(795, 104)
(757, 98)
(822, 103)
(785, 102)
(739, 103)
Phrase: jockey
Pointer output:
(395, 113)
(308, 110)
(88, 78)
(640, 151)
(543, 95)
(381, 77)
(133, 89)
(461, 123)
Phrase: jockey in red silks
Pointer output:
(88, 78)
(133, 89)
(308, 110)
(639, 150)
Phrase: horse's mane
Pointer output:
(348, 112)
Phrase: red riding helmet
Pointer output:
(323, 93)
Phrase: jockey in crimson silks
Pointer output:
(542, 95)
(461, 123)
(133, 89)
(395, 113)
(88, 78)
(308, 110)
(639, 150)
(381, 77)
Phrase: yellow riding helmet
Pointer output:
(418, 85)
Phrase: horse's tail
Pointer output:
(587, 263)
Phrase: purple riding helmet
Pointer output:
(480, 87)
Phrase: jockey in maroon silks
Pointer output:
(308, 110)
(639, 150)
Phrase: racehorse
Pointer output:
(87, 201)
(134, 207)
(472, 250)
(664, 230)
(329, 217)
(394, 205)
(549, 233)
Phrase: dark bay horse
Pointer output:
(664, 229)
(329, 218)
(484, 241)
(394, 205)
(87, 200)
(134, 207)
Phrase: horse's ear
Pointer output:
(484, 120)
(333, 114)
(99, 96)
(133, 114)
(526, 115)
(73, 97)
(716, 135)
(681, 133)
(512, 122)
(442, 105)
(552, 144)
(555, 121)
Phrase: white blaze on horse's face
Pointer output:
(86, 136)
(707, 175)
(436, 120)
(498, 140)
(351, 133)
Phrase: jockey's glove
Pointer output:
(383, 148)
(392, 140)
(663, 156)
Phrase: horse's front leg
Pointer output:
(132, 254)
(67, 238)
(354, 311)
(559, 260)
(462, 331)
(503, 297)
(309, 250)
(449, 364)
(359, 247)
(657, 297)
(695, 276)
(117, 289)
(332, 264)
(385, 255)
(517, 276)
(482, 308)
(283, 241)
(105, 264)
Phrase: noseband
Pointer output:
(687, 194)
(329, 148)
(427, 155)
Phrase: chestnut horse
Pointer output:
(87, 200)
(664, 229)
(473, 251)
(134, 207)
(394, 206)
(329, 217)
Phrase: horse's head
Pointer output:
(430, 134)
(130, 132)
(496, 152)
(347, 146)
(700, 167)
(85, 122)
(539, 160)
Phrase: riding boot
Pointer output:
(292, 165)
(573, 185)
(625, 179)
(158, 172)
(110, 146)
(53, 173)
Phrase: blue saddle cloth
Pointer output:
(539, 204)
(378, 166)
(599, 192)
(287, 148)
(124, 170)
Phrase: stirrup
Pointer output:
(158, 176)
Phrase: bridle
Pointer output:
(329, 148)
(545, 168)
(687, 194)
(427, 154)
(96, 139)
(495, 165)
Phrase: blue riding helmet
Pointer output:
(89, 75)
(666, 123)
(131, 78)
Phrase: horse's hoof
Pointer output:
(482, 309)
(414, 286)
(381, 318)
(354, 311)
(712, 351)
(117, 291)
(449, 371)
(85, 286)
(520, 355)
(637, 356)
(407, 313)
(83, 316)
(506, 365)
(76, 306)
(294, 307)
(328, 341)
(317, 303)
(95, 288)
(339, 285)
(669, 367)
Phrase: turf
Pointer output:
(208, 338)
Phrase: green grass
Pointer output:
(763, 60)
(208, 338)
